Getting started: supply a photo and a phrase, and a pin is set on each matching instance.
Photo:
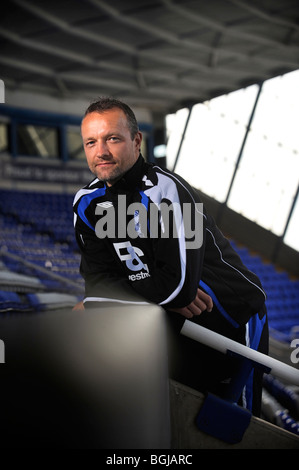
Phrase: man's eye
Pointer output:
(89, 143)
(113, 139)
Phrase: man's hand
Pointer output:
(79, 306)
(201, 303)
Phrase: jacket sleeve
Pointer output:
(228, 280)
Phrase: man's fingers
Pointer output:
(203, 298)
(201, 303)
(185, 311)
(196, 307)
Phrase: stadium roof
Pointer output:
(157, 54)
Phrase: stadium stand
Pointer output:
(170, 55)
(39, 265)
(39, 272)
(282, 295)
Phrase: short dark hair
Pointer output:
(104, 104)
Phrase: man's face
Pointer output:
(108, 145)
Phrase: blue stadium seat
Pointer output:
(282, 294)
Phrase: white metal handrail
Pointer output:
(223, 345)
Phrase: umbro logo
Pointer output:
(105, 204)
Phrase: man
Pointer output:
(144, 238)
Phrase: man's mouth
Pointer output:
(103, 164)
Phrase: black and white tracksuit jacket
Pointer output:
(142, 265)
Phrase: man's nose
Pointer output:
(102, 149)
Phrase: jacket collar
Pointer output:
(132, 178)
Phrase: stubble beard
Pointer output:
(115, 175)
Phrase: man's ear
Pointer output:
(138, 140)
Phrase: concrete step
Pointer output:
(185, 404)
